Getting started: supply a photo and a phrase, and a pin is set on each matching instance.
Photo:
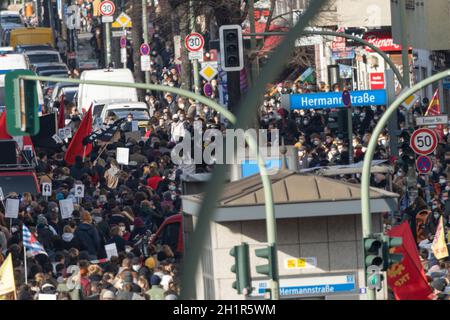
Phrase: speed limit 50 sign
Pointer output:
(194, 42)
(423, 141)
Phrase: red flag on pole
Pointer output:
(407, 278)
(61, 115)
(4, 135)
(434, 109)
(76, 147)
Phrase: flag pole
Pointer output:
(25, 262)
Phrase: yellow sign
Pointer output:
(208, 72)
(122, 21)
(439, 245)
(409, 102)
(7, 283)
(301, 263)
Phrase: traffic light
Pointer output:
(374, 278)
(22, 104)
(231, 48)
(391, 258)
(241, 268)
(269, 269)
(342, 122)
(373, 251)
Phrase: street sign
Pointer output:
(208, 89)
(124, 20)
(423, 141)
(107, 8)
(196, 55)
(123, 42)
(107, 19)
(346, 99)
(194, 41)
(323, 100)
(409, 102)
(144, 49)
(424, 164)
(145, 63)
(208, 72)
(431, 121)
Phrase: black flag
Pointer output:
(105, 134)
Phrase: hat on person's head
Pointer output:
(155, 280)
(150, 263)
(42, 219)
(439, 284)
(138, 223)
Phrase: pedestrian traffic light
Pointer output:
(374, 278)
(22, 104)
(373, 251)
(389, 258)
(241, 268)
(268, 269)
(231, 48)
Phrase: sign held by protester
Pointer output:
(122, 155)
(79, 190)
(111, 250)
(439, 245)
(67, 208)
(46, 189)
(12, 208)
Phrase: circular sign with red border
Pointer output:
(144, 49)
(424, 164)
(107, 8)
(194, 42)
(423, 141)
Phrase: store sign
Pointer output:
(345, 53)
(382, 40)
(377, 80)
(356, 32)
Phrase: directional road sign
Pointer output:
(423, 141)
(194, 41)
(424, 164)
(124, 20)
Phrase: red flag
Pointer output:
(76, 147)
(4, 135)
(407, 278)
(61, 115)
(434, 109)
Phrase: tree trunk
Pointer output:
(136, 34)
(186, 67)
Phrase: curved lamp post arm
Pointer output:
(365, 178)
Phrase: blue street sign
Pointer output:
(324, 100)
(424, 164)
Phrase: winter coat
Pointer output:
(88, 238)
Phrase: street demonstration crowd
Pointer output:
(124, 205)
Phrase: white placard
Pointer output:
(79, 190)
(57, 139)
(122, 155)
(45, 296)
(46, 189)
(111, 251)
(2, 196)
(66, 208)
(12, 208)
(68, 132)
(145, 63)
(62, 133)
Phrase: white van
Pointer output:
(88, 93)
(11, 62)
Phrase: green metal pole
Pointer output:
(194, 62)
(145, 33)
(365, 178)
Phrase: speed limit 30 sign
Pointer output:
(423, 141)
(107, 8)
(194, 42)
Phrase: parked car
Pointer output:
(68, 89)
(43, 56)
(120, 110)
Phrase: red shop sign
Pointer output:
(382, 40)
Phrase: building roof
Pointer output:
(307, 194)
(291, 187)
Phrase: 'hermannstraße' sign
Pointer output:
(322, 100)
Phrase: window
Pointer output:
(410, 4)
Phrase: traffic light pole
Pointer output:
(366, 220)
